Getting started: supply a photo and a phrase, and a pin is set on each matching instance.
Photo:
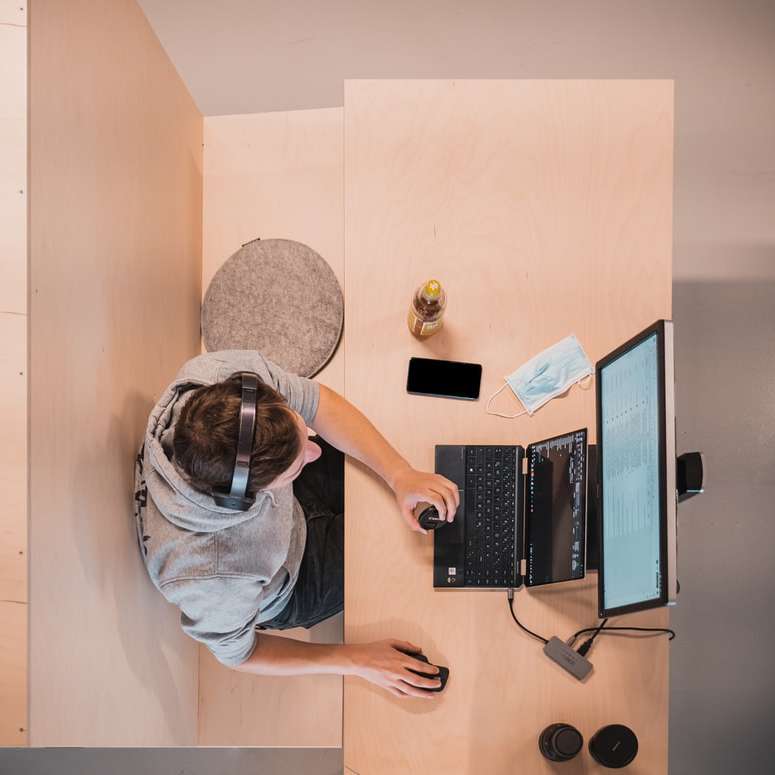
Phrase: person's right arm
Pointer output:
(220, 613)
(378, 662)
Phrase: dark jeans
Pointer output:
(319, 590)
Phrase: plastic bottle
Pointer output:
(427, 309)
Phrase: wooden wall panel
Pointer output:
(13, 374)
(274, 175)
(13, 457)
(13, 167)
(115, 289)
(13, 528)
(13, 12)
(13, 674)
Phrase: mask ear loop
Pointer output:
(584, 379)
(498, 414)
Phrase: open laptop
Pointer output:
(522, 514)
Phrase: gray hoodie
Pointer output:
(225, 570)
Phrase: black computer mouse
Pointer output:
(443, 673)
(429, 518)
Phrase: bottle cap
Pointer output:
(432, 290)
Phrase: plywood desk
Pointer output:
(545, 209)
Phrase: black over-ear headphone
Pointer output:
(236, 498)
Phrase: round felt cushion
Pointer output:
(278, 297)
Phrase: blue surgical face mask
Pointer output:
(548, 374)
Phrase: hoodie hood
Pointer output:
(173, 496)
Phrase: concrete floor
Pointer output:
(171, 761)
(721, 676)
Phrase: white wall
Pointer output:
(13, 373)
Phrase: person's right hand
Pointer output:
(381, 664)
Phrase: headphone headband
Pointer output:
(236, 497)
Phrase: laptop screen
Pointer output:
(555, 519)
(630, 423)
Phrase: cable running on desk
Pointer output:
(600, 629)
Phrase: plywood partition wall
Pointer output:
(13, 374)
(274, 175)
(115, 287)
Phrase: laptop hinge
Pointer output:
(522, 500)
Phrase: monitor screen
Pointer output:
(630, 428)
(555, 519)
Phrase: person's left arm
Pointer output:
(346, 428)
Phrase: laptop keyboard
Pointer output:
(491, 483)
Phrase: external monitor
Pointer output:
(637, 473)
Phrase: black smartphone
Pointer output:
(444, 379)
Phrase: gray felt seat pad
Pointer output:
(278, 297)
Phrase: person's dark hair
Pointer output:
(205, 443)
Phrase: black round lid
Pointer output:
(614, 746)
(568, 741)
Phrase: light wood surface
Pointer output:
(115, 284)
(13, 168)
(13, 674)
(13, 529)
(544, 208)
(13, 12)
(13, 458)
(13, 375)
(274, 175)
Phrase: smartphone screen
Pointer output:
(446, 379)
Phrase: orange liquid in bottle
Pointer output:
(427, 309)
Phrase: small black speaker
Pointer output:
(614, 746)
(560, 742)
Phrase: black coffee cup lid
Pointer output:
(568, 741)
(614, 746)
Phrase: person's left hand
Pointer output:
(412, 487)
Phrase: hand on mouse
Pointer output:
(381, 664)
(412, 486)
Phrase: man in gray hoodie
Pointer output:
(280, 563)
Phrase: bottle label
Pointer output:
(422, 328)
(426, 329)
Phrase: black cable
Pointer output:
(587, 644)
(603, 630)
(514, 616)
